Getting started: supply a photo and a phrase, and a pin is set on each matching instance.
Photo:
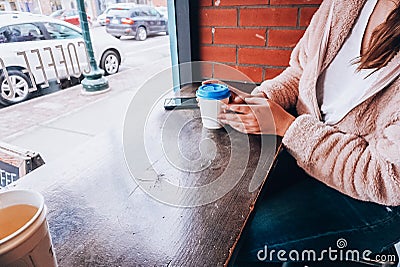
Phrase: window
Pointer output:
(118, 12)
(71, 13)
(153, 12)
(144, 12)
(135, 13)
(58, 31)
(57, 13)
(20, 33)
(4, 35)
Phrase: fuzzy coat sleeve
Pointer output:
(283, 89)
(368, 171)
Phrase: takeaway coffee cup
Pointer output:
(210, 97)
(24, 238)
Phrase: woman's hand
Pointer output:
(257, 116)
(237, 96)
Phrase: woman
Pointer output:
(343, 80)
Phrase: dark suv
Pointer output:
(138, 21)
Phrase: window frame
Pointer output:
(156, 14)
(187, 49)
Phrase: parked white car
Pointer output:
(35, 49)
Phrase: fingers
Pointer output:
(211, 81)
(248, 120)
(235, 99)
(244, 108)
(256, 101)
(237, 96)
(235, 90)
(235, 125)
(241, 127)
(237, 108)
(254, 118)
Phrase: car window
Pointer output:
(59, 31)
(105, 12)
(144, 12)
(21, 33)
(153, 12)
(135, 13)
(119, 12)
(70, 13)
(4, 35)
(57, 13)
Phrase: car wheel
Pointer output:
(118, 36)
(110, 62)
(18, 92)
(141, 34)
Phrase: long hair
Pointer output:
(384, 43)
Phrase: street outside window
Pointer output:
(58, 31)
(20, 33)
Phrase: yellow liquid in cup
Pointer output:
(14, 217)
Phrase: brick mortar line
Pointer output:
(275, 47)
(256, 27)
(263, 73)
(260, 6)
(237, 56)
(298, 17)
(247, 46)
(238, 17)
(262, 66)
(257, 66)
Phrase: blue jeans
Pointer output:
(303, 217)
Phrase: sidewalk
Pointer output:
(56, 123)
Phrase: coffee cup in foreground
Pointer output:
(211, 97)
(24, 234)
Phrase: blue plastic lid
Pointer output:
(213, 91)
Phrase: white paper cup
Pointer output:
(211, 97)
(29, 246)
(210, 109)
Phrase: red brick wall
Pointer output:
(253, 36)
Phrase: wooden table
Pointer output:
(100, 216)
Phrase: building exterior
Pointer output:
(46, 7)
(159, 2)
(101, 5)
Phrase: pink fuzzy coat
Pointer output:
(360, 155)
